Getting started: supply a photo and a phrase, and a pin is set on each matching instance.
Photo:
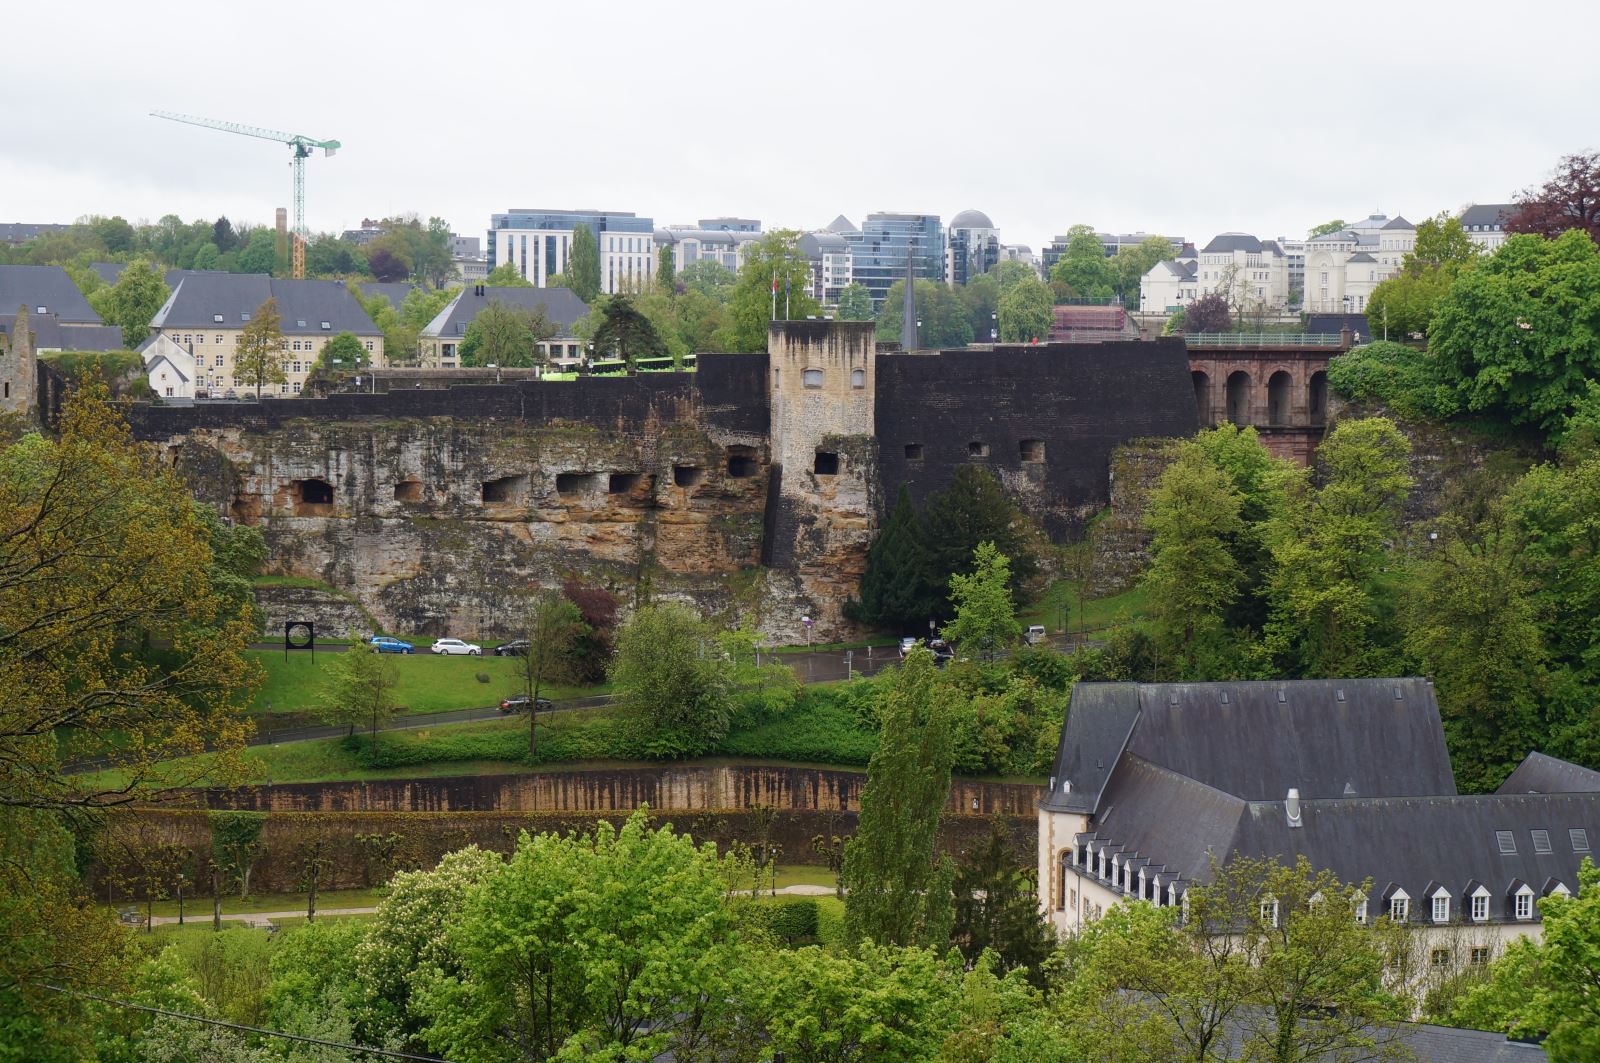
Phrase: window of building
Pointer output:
(975, 449)
(811, 378)
(297, 388)
(1399, 909)
(218, 319)
(1579, 838)
(1439, 958)
(1441, 909)
(219, 361)
(858, 378)
(1032, 449)
(369, 345)
(326, 326)
(827, 463)
(1479, 955)
(1269, 913)
(219, 339)
(1480, 907)
(1525, 904)
(1507, 841)
(1541, 841)
(283, 389)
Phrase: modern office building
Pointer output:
(719, 240)
(828, 253)
(973, 249)
(878, 252)
(538, 242)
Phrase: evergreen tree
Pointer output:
(997, 907)
(896, 893)
(623, 332)
(897, 589)
(972, 510)
(583, 264)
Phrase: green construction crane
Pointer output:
(302, 146)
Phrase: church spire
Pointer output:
(908, 322)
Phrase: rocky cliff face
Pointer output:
(439, 525)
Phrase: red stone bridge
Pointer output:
(1276, 382)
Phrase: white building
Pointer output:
(1252, 273)
(1342, 268)
(1485, 223)
(719, 240)
(828, 254)
(1171, 286)
(539, 242)
(169, 367)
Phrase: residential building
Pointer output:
(829, 255)
(1295, 252)
(878, 252)
(537, 243)
(1171, 285)
(1153, 781)
(470, 262)
(207, 312)
(1253, 273)
(973, 247)
(719, 240)
(60, 318)
(1342, 268)
(441, 338)
(1019, 253)
(1485, 223)
(16, 232)
(169, 367)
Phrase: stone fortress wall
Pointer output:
(751, 487)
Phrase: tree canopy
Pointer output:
(1569, 200)
(750, 302)
(943, 320)
(506, 335)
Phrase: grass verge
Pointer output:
(1062, 601)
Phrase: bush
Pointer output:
(830, 922)
(820, 728)
(1406, 380)
(792, 921)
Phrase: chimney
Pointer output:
(1292, 806)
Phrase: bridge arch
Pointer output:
(1239, 397)
(1202, 396)
(1317, 397)
(1280, 398)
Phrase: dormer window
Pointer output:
(1523, 903)
(326, 326)
(1269, 912)
(1399, 907)
(217, 318)
(1480, 906)
(1441, 908)
(1361, 911)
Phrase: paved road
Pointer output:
(266, 918)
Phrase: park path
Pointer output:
(266, 918)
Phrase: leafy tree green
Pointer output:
(506, 335)
(672, 679)
(1193, 578)
(207, 258)
(666, 267)
(944, 321)
(710, 278)
(1519, 334)
(623, 332)
(777, 254)
(997, 907)
(1404, 303)
(344, 351)
(132, 301)
(506, 275)
(1025, 312)
(1325, 229)
(986, 617)
(615, 942)
(1259, 478)
(1409, 381)
(360, 689)
(260, 255)
(553, 628)
(1083, 270)
(972, 510)
(898, 589)
(583, 264)
(855, 303)
(259, 359)
(235, 846)
(980, 300)
(896, 891)
(1130, 264)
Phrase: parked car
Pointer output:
(1035, 634)
(519, 703)
(514, 648)
(385, 644)
(943, 653)
(456, 648)
(908, 644)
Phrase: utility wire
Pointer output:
(248, 1029)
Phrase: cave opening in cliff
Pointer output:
(742, 462)
(577, 483)
(312, 497)
(408, 490)
(1032, 450)
(827, 463)
(506, 489)
(623, 482)
(687, 475)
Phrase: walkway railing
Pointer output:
(1325, 340)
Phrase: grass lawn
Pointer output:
(1094, 614)
(428, 682)
(197, 908)
(792, 875)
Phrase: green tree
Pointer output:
(898, 589)
(360, 689)
(672, 680)
(1519, 333)
(1130, 264)
(553, 628)
(235, 847)
(260, 255)
(750, 302)
(583, 264)
(855, 303)
(1325, 229)
(896, 891)
(980, 300)
(623, 332)
(260, 356)
(1024, 312)
(666, 268)
(344, 351)
(207, 258)
(507, 336)
(943, 317)
(972, 510)
(1083, 269)
(615, 944)
(506, 275)
(1404, 303)
(132, 301)
(997, 907)
(1193, 578)
(986, 618)
(711, 279)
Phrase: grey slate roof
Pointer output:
(560, 305)
(1361, 256)
(1100, 718)
(1539, 774)
(49, 333)
(1225, 242)
(200, 299)
(17, 232)
(1491, 215)
(1399, 223)
(1330, 324)
(842, 225)
(46, 286)
(173, 276)
(1428, 1044)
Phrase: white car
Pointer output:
(456, 647)
(1035, 635)
(908, 644)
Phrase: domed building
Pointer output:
(973, 247)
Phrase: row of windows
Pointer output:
(815, 378)
(190, 338)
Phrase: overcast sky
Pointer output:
(1179, 118)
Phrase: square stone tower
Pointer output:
(825, 457)
(19, 370)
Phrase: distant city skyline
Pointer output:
(1040, 125)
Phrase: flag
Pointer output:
(774, 282)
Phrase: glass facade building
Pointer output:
(878, 252)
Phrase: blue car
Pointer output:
(385, 644)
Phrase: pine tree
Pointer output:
(897, 589)
(972, 510)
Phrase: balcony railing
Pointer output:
(1326, 340)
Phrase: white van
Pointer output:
(1035, 634)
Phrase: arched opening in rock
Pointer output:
(1202, 396)
(1317, 398)
(506, 489)
(408, 490)
(623, 482)
(1239, 397)
(573, 484)
(687, 475)
(742, 462)
(312, 497)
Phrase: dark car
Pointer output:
(519, 703)
(514, 648)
